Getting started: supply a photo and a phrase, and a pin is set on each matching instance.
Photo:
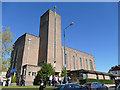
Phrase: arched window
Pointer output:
(86, 64)
(91, 65)
(80, 63)
(73, 62)
(66, 60)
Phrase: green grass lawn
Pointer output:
(21, 87)
(26, 88)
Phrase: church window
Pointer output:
(16, 52)
(73, 62)
(91, 65)
(29, 73)
(80, 63)
(33, 73)
(86, 64)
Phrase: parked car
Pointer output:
(1, 82)
(117, 87)
(70, 86)
(117, 81)
(95, 86)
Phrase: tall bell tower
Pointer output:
(50, 39)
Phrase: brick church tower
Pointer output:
(50, 40)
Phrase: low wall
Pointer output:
(28, 83)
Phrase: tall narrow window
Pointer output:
(29, 73)
(62, 57)
(66, 60)
(86, 64)
(15, 58)
(73, 62)
(33, 73)
(91, 65)
(80, 63)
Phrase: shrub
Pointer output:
(13, 79)
(82, 81)
(106, 81)
(45, 70)
(63, 72)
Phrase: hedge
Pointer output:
(82, 81)
(13, 79)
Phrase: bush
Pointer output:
(45, 70)
(106, 81)
(63, 72)
(13, 79)
(82, 81)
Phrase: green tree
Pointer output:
(7, 46)
(13, 79)
(63, 72)
(46, 69)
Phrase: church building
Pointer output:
(30, 51)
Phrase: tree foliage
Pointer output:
(7, 47)
(46, 69)
(13, 79)
(63, 72)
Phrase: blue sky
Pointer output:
(95, 29)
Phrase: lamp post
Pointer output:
(64, 50)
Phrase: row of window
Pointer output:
(31, 73)
(91, 63)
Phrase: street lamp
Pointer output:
(64, 50)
